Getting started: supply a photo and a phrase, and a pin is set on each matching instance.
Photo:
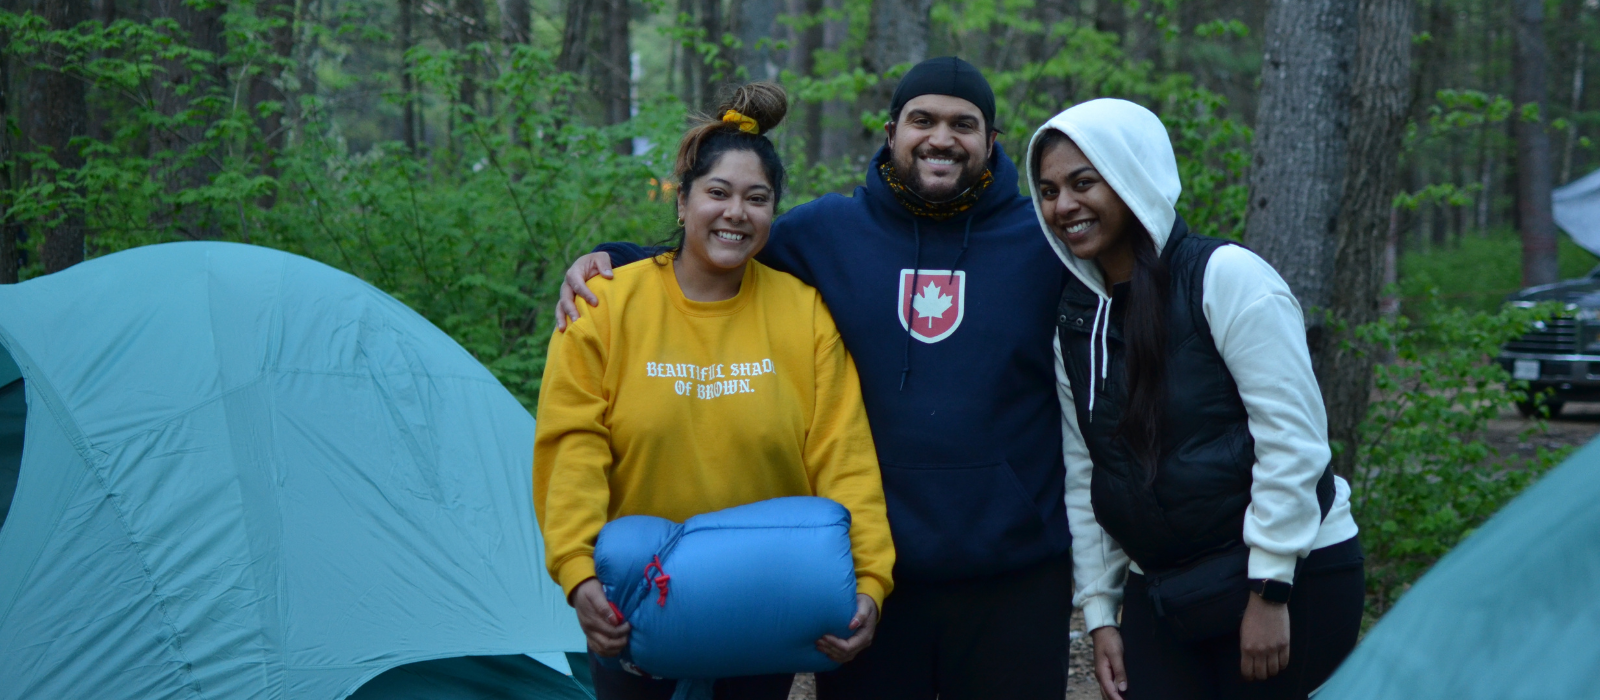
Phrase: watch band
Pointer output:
(1271, 590)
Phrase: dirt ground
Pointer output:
(1575, 427)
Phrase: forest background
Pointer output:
(1393, 158)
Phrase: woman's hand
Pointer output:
(1108, 662)
(606, 633)
(575, 285)
(865, 624)
(1263, 639)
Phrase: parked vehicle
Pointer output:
(1559, 357)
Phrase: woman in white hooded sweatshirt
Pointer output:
(1198, 487)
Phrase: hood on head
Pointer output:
(1129, 145)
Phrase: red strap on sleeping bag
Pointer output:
(660, 581)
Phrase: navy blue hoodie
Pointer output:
(963, 411)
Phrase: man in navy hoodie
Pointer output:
(945, 294)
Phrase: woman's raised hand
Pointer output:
(1108, 668)
(865, 624)
(607, 634)
(575, 284)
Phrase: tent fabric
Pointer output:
(1511, 613)
(248, 475)
(1576, 208)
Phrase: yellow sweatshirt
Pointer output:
(653, 404)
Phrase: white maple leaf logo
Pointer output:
(931, 303)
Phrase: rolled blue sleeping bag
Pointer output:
(738, 592)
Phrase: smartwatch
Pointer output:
(1271, 590)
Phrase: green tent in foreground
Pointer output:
(1513, 612)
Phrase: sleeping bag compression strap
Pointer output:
(634, 595)
(660, 580)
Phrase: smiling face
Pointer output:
(940, 146)
(1083, 211)
(727, 214)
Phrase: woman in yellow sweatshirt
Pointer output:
(705, 380)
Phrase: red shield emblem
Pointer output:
(932, 302)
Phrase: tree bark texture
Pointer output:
(616, 71)
(56, 114)
(175, 92)
(757, 23)
(574, 35)
(898, 33)
(1381, 99)
(802, 61)
(1301, 147)
(1534, 166)
(838, 133)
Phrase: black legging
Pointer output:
(1324, 618)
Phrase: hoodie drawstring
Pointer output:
(916, 269)
(966, 236)
(1102, 308)
(916, 277)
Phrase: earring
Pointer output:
(680, 222)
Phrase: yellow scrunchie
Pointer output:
(746, 124)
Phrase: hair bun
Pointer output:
(765, 102)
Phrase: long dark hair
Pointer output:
(1144, 329)
(711, 137)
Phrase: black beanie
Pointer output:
(946, 75)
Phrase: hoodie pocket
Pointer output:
(961, 520)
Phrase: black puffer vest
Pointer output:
(1197, 503)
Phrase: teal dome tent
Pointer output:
(239, 473)
(1513, 612)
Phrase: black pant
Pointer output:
(996, 637)
(1324, 618)
(613, 684)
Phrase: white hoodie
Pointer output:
(1258, 329)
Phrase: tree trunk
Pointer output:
(471, 30)
(713, 71)
(1533, 147)
(838, 131)
(515, 22)
(1381, 100)
(575, 36)
(898, 34)
(408, 88)
(1301, 148)
(178, 92)
(100, 125)
(802, 61)
(757, 22)
(1575, 107)
(616, 72)
(56, 114)
(267, 86)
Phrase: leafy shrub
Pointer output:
(1425, 476)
